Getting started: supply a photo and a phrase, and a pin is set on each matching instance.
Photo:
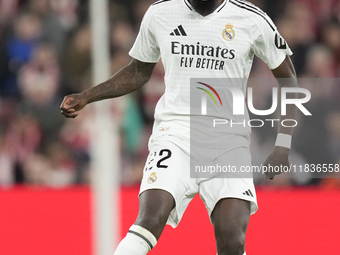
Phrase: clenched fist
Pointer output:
(72, 104)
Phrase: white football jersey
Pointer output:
(219, 45)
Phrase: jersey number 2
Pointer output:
(168, 155)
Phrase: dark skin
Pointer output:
(286, 76)
(129, 79)
(205, 7)
(137, 73)
(230, 216)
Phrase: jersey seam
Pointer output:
(259, 27)
(140, 58)
(279, 61)
(223, 6)
(152, 17)
(160, 1)
(188, 5)
(250, 5)
(254, 10)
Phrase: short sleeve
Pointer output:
(145, 48)
(269, 45)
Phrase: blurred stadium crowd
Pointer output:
(45, 49)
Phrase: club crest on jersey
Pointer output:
(228, 33)
(152, 178)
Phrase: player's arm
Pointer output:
(286, 76)
(128, 79)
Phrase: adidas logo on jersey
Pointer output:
(179, 31)
(248, 193)
(280, 43)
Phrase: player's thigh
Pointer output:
(230, 200)
(230, 185)
(155, 206)
(230, 218)
(167, 170)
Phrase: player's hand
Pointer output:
(72, 104)
(278, 158)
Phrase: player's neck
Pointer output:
(205, 7)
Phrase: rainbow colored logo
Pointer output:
(209, 93)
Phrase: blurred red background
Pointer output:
(48, 221)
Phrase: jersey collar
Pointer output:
(218, 9)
